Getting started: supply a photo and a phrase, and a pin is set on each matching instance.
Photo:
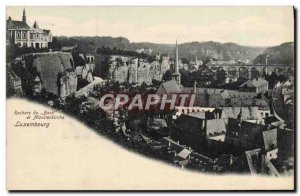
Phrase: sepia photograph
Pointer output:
(150, 98)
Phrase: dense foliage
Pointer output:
(282, 54)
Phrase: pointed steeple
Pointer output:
(176, 75)
(176, 60)
(24, 16)
(35, 25)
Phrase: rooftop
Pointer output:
(255, 82)
(14, 24)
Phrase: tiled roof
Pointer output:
(247, 112)
(255, 82)
(14, 24)
(216, 126)
(200, 115)
(171, 87)
(252, 157)
(46, 31)
(184, 153)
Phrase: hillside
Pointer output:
(282, 54)
(219, 51)
(202, 50)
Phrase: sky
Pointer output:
(249, 26)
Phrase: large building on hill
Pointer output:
(21, 34)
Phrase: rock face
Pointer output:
(68, 84)
(130, 69)
(216, 50)
(202, 50)
(52, 71)
(57, 73)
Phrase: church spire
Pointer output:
(24, 16)
(176, 75)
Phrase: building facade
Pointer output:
(22, 35)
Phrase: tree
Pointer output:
(255, 73)
(204, 74)
(78, 60)
(185, 77)
(10, 91)
(168, 75)
(220, 76)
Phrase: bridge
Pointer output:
(251, 71)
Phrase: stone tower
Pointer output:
(24, 16)
(176, 75)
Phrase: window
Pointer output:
(18, 35)
(24, 34)
(32, 45)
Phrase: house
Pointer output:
(258, 85)
(247, 113)
(21, 34)
(254, 162)
(285, 142)
(243, 135)
(186, 110)
(197, 128)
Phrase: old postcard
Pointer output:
(150, 98)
